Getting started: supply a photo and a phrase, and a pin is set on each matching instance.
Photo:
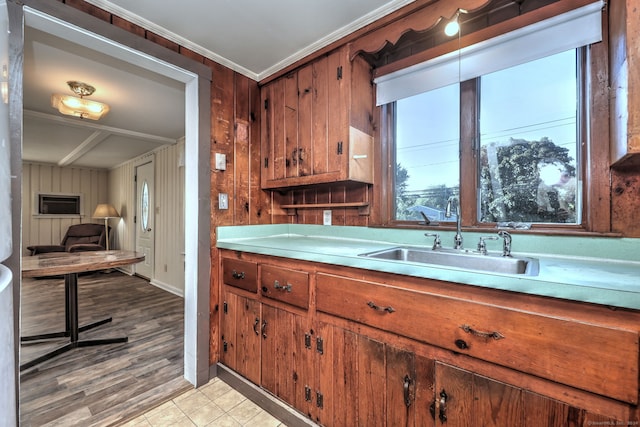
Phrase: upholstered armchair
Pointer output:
(79, 237)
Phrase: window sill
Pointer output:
(535, 229)
(57, 216)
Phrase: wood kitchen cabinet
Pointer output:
(240, 335)
(316, 124)
(371, 383)
(467, 399)
(267, 343)
(351, 347)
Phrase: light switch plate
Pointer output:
(221, 161)
(326, 217)
(223, 201)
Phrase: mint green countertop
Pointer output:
(590, 269)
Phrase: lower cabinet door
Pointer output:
(240, 335)
(370, 383)
(467, 399)
(285, 365)
(409, 388)
(248, 352)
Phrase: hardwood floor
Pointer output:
(108, 384)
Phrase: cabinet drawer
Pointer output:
(241, 274)
(593, 357)
(283, 284)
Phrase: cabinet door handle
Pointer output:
(376, 307)
(264, 329)
(482, 334)
(255, 326)
(442, 413)
(237, 275)
(407, 392)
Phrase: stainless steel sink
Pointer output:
(463, 259)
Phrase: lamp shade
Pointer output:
(105, 210)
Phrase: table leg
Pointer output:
(67, 330)
(72, 328)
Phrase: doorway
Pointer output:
(63, 21)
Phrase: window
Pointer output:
(144, 206)
(525, 145)
(427, 153)
(528, 128)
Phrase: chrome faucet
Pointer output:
(482, 244)
(457, 239)
(506, 243)
(437, 244)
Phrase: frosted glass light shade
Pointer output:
(79, 107)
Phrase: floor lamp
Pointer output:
(106, 211)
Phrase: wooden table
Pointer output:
(69, 265)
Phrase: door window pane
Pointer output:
(528, 142)
(144, 206)
(427, 153)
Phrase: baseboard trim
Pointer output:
(167, 287)
(260, 397)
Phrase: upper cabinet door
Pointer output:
(316, 124)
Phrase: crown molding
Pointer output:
(163, 32)
(365, 20)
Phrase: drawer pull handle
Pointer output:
(495, 334)
(237, 275)
(378, 308)
(264, 329)
(279, 287)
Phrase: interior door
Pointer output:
(145, 218)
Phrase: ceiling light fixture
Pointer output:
(78, 106)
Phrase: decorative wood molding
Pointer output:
(420, 20)
(523, 20)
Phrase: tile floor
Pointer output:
(215, 404)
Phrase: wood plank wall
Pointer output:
(36, 177)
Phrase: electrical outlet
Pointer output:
(223, 201)
(326, 217)
(221, 161)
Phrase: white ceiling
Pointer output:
(254, 37)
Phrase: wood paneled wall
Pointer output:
(235, 125)
(36, 177)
